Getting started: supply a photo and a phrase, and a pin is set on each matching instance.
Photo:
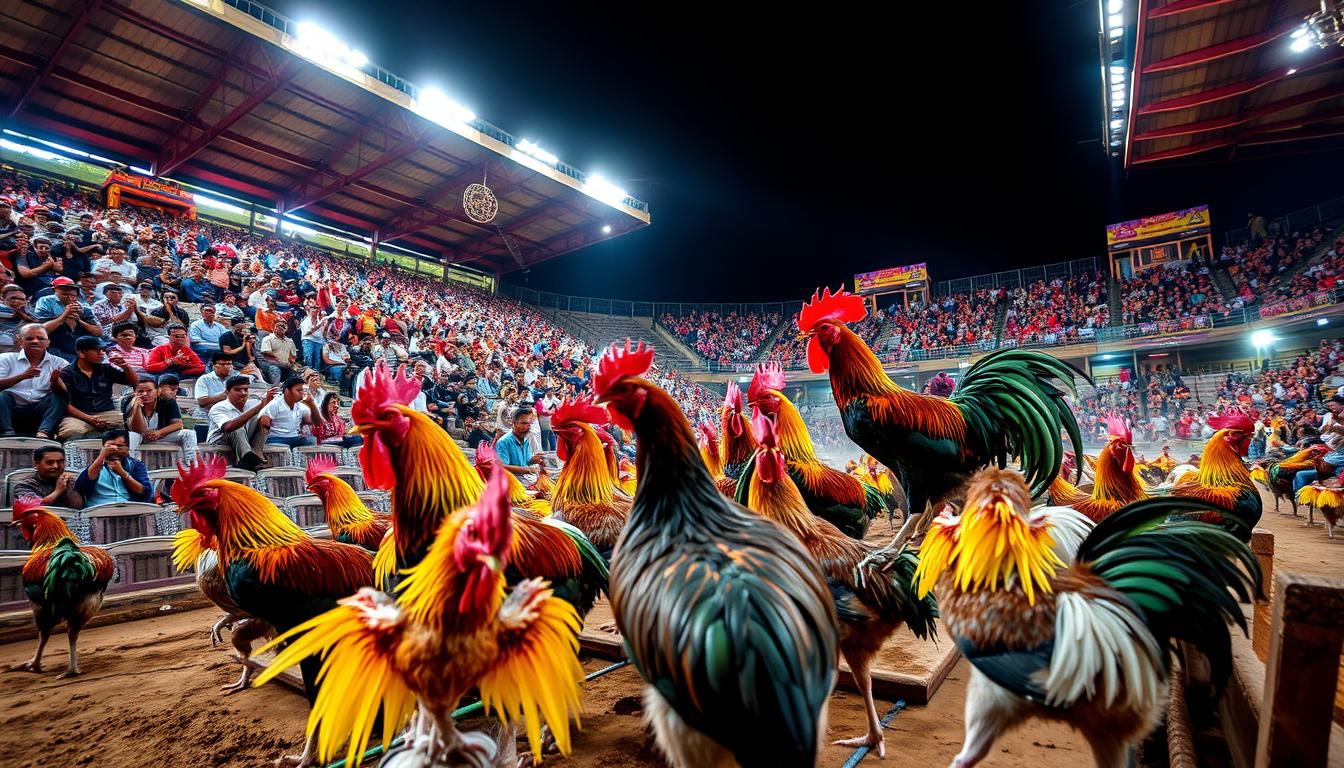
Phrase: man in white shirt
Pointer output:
(116, 262)
(235, 421)
(286, 415)
(209, 388)
(26, 396)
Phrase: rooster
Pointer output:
(831, 494)
(627, 478)
(1278, 476)
(870, 603)
(543, 486)
(518, 495)
(1116, 483)
(192, 550)
(1328, 498)
(63, 581)
(724, 614)
(1006, 406)
(450, 629)
(429, 477)
(349, 520)
(736, 443)
(273, 570)
(1223, 479)
(709, 449)
(1087, 642)
(584, 494)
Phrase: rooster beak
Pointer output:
(805, 335)
(357, 429)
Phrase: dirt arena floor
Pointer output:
(149, 696)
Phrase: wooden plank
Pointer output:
(906, 667)
(1262, 546)
(127, 606)
(1302, 672)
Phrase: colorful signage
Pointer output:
(1171, 224)
(892, 278)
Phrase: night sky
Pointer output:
(781, 151)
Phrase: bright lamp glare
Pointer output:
(1117, 124)
(1322, 321)
(535, 150)
(1301, 44)
(433, 104)
(1300, 31)
(1116, 32)
(1115, 20)
(606, 230)
(317, 44)
(1262, 338)
(604, 190)
(1115, 6)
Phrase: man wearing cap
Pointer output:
(38, 268)
(176, 356)
(235, 422)
(116, 262)
(27, 397)
(87, 386)
(153, 416)
(205, 333)
(112, 309)
(394, 354)
(72, 321)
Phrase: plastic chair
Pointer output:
(81, 453)
(143, 563)
(161, 455)
(278, 455)
(304, 453)
(121, 521)
(281, 482)
(12, 479)
(307, 510)
(17, 452)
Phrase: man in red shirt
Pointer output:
(176, 356)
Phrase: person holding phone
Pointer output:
(114, 476)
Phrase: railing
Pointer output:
(1306, 217)
(1017, 278)
(284, 24)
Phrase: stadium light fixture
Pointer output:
(325, 49)
(141, 171)
(535, 150)
(604, 190)
(434, 105)
(606, 230)
(1115, 6)
(1116, 32)
(1115, 20)
(1301, 44)
(1291, 72)
(1321, 321)
(1107, 356)
(1262, 338)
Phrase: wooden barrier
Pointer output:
(1262, 545)
(1301, 672)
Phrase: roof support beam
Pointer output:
(193, 118)
(1236, 89)
(178, 151)
(1229, 121)
(1183, 6)
(99, 139)
(1214, 52)
(50, 64)
(1300, 127)
(325, 182)
(417, 218)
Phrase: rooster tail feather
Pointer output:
(68, 570)
(918, 614)
(356, 640)
(1012, 405)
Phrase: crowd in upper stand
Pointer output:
(1169, 293)
(1256, 266)
(1057, 311)
(732, 338)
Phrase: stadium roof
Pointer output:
(229, 95)
(1214, 78)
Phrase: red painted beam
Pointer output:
(55, 58)
(173, 157)
(323, 191)
(1236, 89)
(1136, 83)
(1215, 52)
(1250, 137)
(97, 140)
(227, 181)
(1183, 6)
(178, 132)
(1229, 121)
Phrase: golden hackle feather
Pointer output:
(856, 371)
(48, 530)
(434, 475)
(585, 479)
(1308, 495)
(385, 559)
(188, 546)
(358, 678)
(537, 675)
(544, 486)
(1330, 498)
(538, 548)
(1220, 465)
(343, 507)
(519, 497)
(796, 445)
(935, 553)
(1303, 459)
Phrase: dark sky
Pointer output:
(780, 150)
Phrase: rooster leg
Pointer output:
(244, 632)
(225, 622)
(472, 749)
(990, 712)
(304, 760)
(873, 739)
(1108, 751)
(34, 664)
(548, 747)
(72, 632)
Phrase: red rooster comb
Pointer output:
(192, 476)
(618, 363)
(733, 399)
(767, 434)
(708, 436)
(485, 454)
(841, 305)
(318, 465)
(580, 410)
(1117, 428)
(26, 503)
(769, 375)
(1232, 419)
(379, 388)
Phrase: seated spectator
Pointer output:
(38, 267)
(176, 356)
(240, 345)
(28, 401)
(52, 483)
(394, 354)
(170, 313)
(278, 354)
(515, 450)
(286, 415)
(228, 310)
(335, 361)
(112, 308)
(87, 386)
(153, 416)
(478, 432)
(124, 338)
(331, 431)
(209, 388)
(196, 289)
(65, 318)
(115, 262)
(235, 422)
(206, 333)
(14, 314)
(114, 476)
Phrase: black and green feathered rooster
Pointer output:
(1006, 405)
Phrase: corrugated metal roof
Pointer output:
(212, 96)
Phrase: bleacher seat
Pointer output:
(307, 510)
(352, 475)
(376, 501)
(121, 521)
(278, 455)
(81, 453)
(304, 453)
(17, 452)
(12, 479)
(145, 563)
(281, 482)
(11, 538)
(210, 449)
(161, 455)
(12, 596)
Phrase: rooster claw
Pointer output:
(878, 744)
(610, 628)
(27, 666)
(69, 672)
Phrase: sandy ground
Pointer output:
(149, 697)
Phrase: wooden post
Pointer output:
(1301, 672)
(1262, 545)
